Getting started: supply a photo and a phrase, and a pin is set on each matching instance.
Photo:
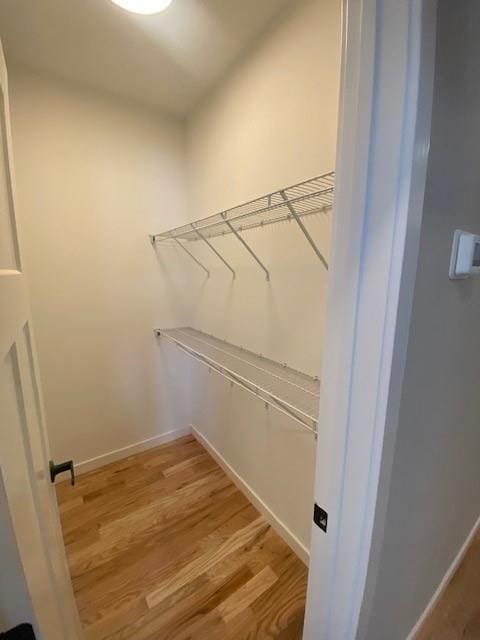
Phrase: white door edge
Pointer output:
(382, 154)
(29, 506)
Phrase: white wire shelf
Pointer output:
(314, 196)
(289, 391)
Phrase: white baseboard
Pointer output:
(282, 530)
(444, 583)
(131, 449)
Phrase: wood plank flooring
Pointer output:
(162, 546)
(457, 614)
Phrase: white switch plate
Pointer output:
(465, 258)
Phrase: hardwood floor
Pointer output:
(162, 546)
(457, 614)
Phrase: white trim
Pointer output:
(281, 528)
(445, 581)
(384, 129)
(129, 450)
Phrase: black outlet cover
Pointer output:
(320, 517)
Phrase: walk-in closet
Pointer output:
(174, 184)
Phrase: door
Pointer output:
(24, 456)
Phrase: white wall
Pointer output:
(94, 177)
(435, 483)
(270, 124)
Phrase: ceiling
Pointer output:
(168, 61)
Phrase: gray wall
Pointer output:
(434, 496)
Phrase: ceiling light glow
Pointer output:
(145, 7)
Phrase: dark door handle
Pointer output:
(61, 467)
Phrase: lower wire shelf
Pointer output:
(291, 392)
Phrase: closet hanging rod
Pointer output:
(292, 393)
(291, 203)
(234, 380)
(244, 359)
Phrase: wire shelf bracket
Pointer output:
(290, 392)
(304, 229)
(192, 256)
(247, 247)
(307, 198)
(209, 244)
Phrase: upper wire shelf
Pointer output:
(292, 203)
(290, 392)
(309, 197)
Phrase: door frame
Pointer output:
(386, 94)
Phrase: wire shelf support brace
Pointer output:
(210, 245)
(192, 256)
(247, 247)
(304, 229)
